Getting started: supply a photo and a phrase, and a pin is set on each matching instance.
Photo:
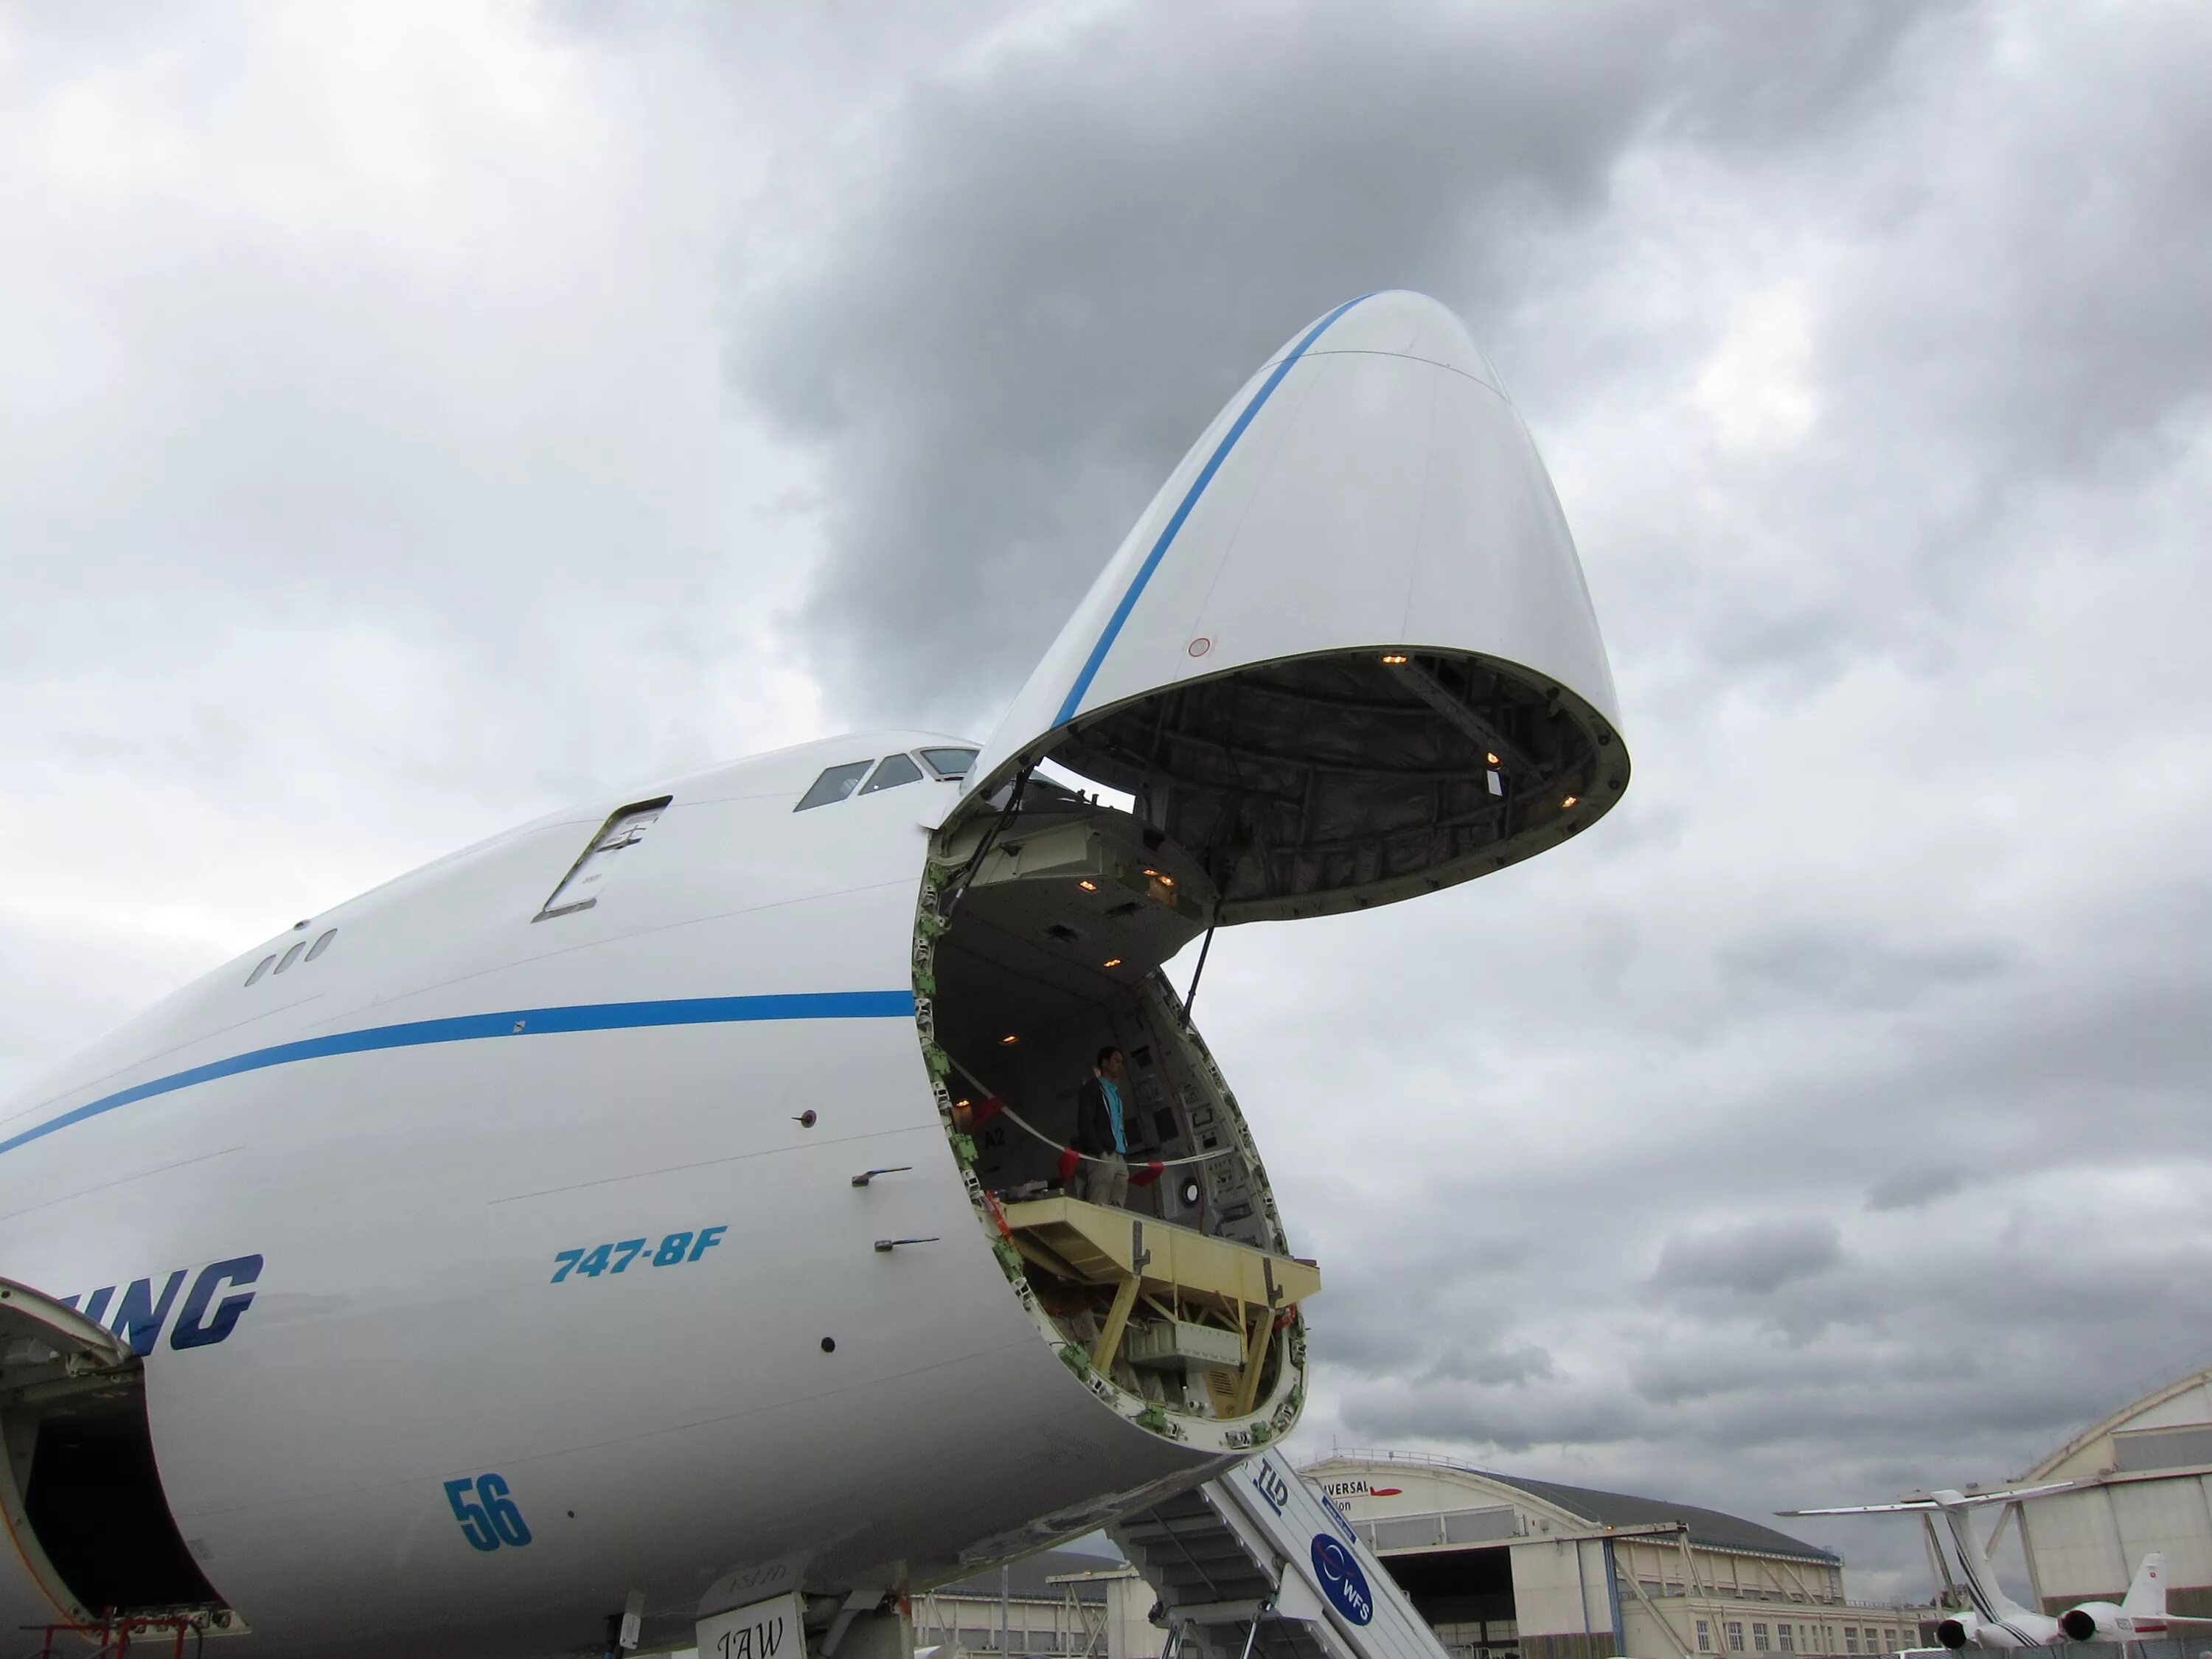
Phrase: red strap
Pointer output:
(1069, 1160)
(1148, 1174)
(984, 1110)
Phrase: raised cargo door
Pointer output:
(1346, 656)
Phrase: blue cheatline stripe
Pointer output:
(1189, 500)
(514, 1022)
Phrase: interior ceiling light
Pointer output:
(1167, 881)
(1394, 659)
(1568, 802)
(1113, 962)
(1493, 760)
(1088, 886)
(1007, 1040)
(962, 1103)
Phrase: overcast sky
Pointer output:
(415, 416)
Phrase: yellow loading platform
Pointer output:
(1178, 1272)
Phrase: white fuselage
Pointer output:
(2010, 1628)
(635, 1071)
(494, 1257)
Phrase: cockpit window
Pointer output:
(895, 770)
(834, 785)
(950, 762)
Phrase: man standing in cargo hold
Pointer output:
(1102, 1132)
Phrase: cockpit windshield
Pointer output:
(894, 770)
(834, 785)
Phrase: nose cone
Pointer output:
(1400, 323)
(1346, 656)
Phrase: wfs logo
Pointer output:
(208, 1312)
(1342, 1580)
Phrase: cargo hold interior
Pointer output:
(1054, 951)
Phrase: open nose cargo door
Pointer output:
(1346, 656)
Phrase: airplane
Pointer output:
(2141, 1617)
(574, 1239)
(1998, 1621)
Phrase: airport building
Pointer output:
(1503, 1567)
(1509, 1568)
(2145, 1484)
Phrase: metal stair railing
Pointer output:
(1256, 1564)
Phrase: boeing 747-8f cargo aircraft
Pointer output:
(665, 1205)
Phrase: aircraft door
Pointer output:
(1346, 656)
(88, 1528)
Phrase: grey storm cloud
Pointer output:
(1909, 1189)
(419, 418)
(1852, 346)
(1845, 970)
(1753, 1259)
(1065, 258)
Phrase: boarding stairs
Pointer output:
(1257, 1564)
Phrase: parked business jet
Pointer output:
(584, 1234)
(2140, 1617)
(1998, 1621)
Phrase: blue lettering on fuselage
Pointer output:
(209, 1310)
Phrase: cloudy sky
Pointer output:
(418, 416)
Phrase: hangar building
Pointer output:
(1509, 1568)
(2146, 1475)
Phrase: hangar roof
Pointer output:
(1583, 1506)
(1711, 1528)
(2170, 1427)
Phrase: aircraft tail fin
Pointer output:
(2145, 1597)
(1990, 1600)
